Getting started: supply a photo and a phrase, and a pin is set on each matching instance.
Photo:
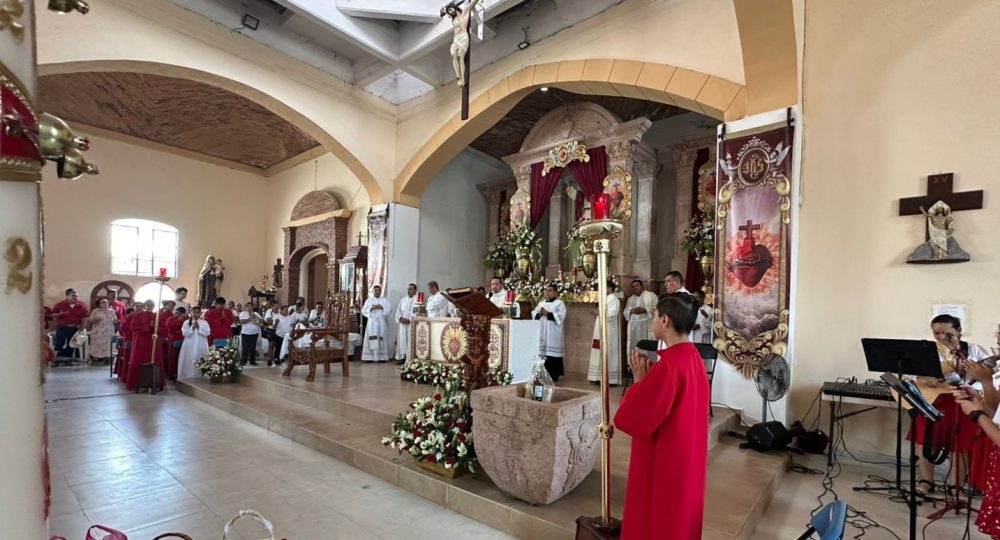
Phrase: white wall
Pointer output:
(214, 208)
(453, 217)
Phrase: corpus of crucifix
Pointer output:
(584, 269)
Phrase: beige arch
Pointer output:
(263, 99)
(692, 90)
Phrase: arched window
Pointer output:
(140, 247)
(151, 291)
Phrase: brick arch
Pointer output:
(263, 99)
(315, 203)
(294, 269)
(706, 94)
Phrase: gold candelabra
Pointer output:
(600, 233)
(162, 279)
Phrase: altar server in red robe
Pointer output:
(125, 349)
(116, 305)
(175, 338)
(220, 321)
(143, 346)
(666, 413)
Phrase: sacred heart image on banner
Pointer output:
(753, 256)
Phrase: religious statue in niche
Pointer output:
(210, 280)
(520, 209)
(940, 246)
(460, 19)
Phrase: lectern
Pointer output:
(476, 311)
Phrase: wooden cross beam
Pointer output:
(941, 187)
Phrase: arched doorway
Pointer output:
(314, 276)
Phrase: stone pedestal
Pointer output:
(537, 452)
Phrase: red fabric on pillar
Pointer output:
(542, 188)
(694, 278)
(590, 176)
(580, 199)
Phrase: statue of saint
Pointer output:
(460, 42)
(206, 282)
(940, 227)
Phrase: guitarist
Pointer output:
(955, 431)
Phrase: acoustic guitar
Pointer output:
(931, 393)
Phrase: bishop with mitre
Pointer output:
(376, 310)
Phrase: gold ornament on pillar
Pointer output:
(54, 141)
(10, 18)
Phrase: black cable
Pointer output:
(739, 415)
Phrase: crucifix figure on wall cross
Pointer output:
(941, 187)
(276, 277)
(460, 45)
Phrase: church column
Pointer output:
(492, 197)
(621, 154)
(684, 156)
(643, 173)
(555, 236)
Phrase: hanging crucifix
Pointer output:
(461, 24)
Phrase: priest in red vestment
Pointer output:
(666, 413)
(143, 346)
(220, 322)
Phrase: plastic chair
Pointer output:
(710, 355)
(829, 522)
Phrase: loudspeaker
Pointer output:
(768, 436)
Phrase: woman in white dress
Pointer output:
(101, 324)
(196, 332)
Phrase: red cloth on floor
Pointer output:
(667, 416)
(142, 348)
(988, 519)
(945, 428)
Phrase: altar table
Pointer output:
(513, 343)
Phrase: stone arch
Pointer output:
(295, 267)
(574, 120)
(706, 94)
(263, 99)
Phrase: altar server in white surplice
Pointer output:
(551, 313)
(437, 304)
(614, 340)
(404, 318)
(196, 332)
(638, 313)
(375, 347)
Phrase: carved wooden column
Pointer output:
(684, 155)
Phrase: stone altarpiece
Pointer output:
(317, 222)
(593, 126)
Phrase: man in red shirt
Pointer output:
(666, 413)
(220, 320)
(69, 315)
(116, 305)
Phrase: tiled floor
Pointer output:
(150, 464)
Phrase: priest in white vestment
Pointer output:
(551, 313)
(404, 318)
(376, 309)
(613, 345)
(703, 322)
(498, 295)
(196, 332)
(638, 312)
(437, 304)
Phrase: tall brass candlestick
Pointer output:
(162, 280)
(601, 232)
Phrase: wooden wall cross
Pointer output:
(941, 187)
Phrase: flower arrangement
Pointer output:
(699, 236)
(567, 287)
(499, 255)
(448, 375)
(437, 429)
(220, 363)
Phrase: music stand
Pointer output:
(900, 357)
(908, 391)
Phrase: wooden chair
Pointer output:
(326, 344)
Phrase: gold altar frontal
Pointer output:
(346, 418)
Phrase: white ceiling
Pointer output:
(394, 49)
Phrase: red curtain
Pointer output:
(694, 278)
(590, 176)
(542, 188)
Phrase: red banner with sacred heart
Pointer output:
(753, 255)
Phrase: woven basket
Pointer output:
(228, 530)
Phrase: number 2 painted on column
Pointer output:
(18, 255)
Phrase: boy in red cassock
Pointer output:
(666, 413)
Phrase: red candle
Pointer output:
(163, 272)
(510, 296)
(420, 298)
(599, 206)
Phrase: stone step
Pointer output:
(349, 427)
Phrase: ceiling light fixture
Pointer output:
(65, 6)
(524, 44)
(251, 22)
(544, 89)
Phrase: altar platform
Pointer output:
(346, 418)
